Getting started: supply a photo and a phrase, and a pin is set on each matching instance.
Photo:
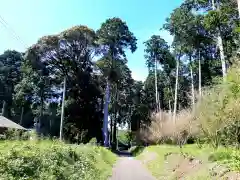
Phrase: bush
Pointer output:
(125, 136)
(218, 112)
(46, 160)
(15, 134)
(136, 150)
(163, 129)
(215, 119)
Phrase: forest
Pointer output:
(80, 77)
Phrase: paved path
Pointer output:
(128, 168)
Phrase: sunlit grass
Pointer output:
(45, 159)
(209, 156)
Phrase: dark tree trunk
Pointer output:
(22, 112)
(115, 134)
(114, 147)
(41, 108)
(6, 109)
(111, 130)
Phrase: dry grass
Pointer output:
(214, 119)
(164, 129)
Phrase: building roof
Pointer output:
(6, 123)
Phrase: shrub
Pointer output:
(93, 141)
(125, 136)
(215, 119)
(15, 134)
(163, 129)
(46, 160)
(218, 112)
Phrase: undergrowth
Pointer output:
(214, 119)
(51, 160)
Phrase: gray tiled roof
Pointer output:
(4, 122)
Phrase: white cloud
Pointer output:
(165, 35)
(145, 35)
(139, 74)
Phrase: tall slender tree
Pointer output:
(158, 51)
(114, 37)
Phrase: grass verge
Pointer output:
(51, 160)
(191, 162)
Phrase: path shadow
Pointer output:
(123, 153)
(137, 150)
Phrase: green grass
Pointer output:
(136, 150)
(51, 160)
(230, 158)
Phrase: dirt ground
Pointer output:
(176, 166)
(128, 168)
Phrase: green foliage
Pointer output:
(229, 157)
(66, 54)
(93, 141)
(31, 87)
(10, 62)
(52, 160)
(114, 38)
(125, 136)
(158, 50)
(136, 150)
(115, 34)
(15, 134)
(218, 112)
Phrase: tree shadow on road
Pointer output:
(132, 152)
(123, 153)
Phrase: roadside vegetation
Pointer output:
(212, 128)
(50, 160)
(67, 85)
(191, 162)
(194, 132)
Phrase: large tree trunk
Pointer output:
(176, 91)
(222, 56)
(156, 87)
(63, 105)
(199, 74)
(170, 109)
(105, 120)
(111, 130)
(7, 103)
(21, 118)
(192, 83)
(114, 147)
(220, 46)
(41, 109)
(114, 116)
(170, 90)
(238, 2)
(42, 87)
(5, 109)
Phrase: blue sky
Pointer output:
(32, 19)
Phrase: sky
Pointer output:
(32, 19)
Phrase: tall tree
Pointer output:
(220, 18)
(114, 37)
(10, 62)
(157, 50)
(68, 55)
